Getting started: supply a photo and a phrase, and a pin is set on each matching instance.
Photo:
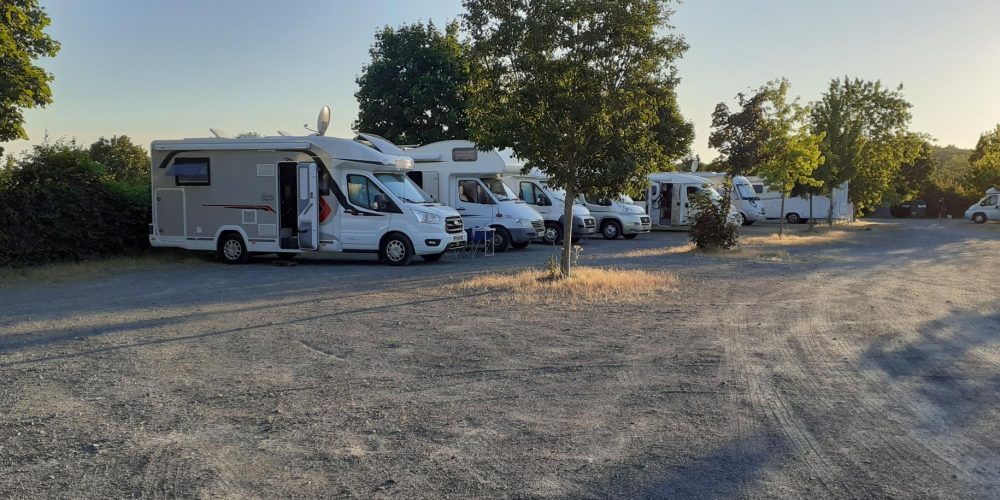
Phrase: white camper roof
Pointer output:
(337, 148)
(677, 177)
(455, 156)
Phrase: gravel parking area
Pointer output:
(864, 367)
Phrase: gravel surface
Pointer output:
(869, 367)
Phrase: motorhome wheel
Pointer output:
(741, 220)
(979, 218)
(232, 249)
(553, 233)
(610, 229)
(396, 250)
(501, 239)
(792, 218)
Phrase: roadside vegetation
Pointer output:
(586, 284)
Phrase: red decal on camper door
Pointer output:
(324, 210)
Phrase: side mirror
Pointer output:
(380, 202)
(540, 200)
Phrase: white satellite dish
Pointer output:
(219, 133)
(323, 121)
(694, 164)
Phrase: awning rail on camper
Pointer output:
(231, 145)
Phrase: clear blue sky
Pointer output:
(170, 69)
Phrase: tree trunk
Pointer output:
(781, 228)
(567, 250)
(829, 211)
(812, 219)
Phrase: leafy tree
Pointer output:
(984, 162)
(22, 84)
(583, 90)
(791, 152)
(413, 91)
(122, 159)
(914, 176)
(742, 136)
(865, 138)
(710, 226)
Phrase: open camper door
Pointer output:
(308, 204)
(679, 210)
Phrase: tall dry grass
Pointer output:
(585, 284)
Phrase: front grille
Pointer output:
(538, 225)
(644, 219)
(453, 224)
(589, 222)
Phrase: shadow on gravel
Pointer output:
(12, 344)
(723, 473)
(939, 360)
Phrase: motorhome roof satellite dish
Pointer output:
(219, 133)
(694, 165)
(284, 133)
(323, 121)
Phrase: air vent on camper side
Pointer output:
(453, 224)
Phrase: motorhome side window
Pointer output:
(531, 194)
(363, 193)
(604, 202)
(990, 200)
(190, 172)
(473, 192)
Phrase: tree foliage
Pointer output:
(914, 176)
(56, 203)
(866, 139)
(122, 159)
(741, 137)
(710, 226)
(583, 90)
(984, 163)
(22, 84)
(791, 153)
(413, 91)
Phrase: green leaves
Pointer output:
(22, 84)
(984, 162)
(122, 159)
(413, 91)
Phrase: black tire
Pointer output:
(610, 229)
(793, 218)
(521, 245)
(630, 236)
(553, 234)
(433, 257)
(979, 218)
(233, 250)
(741, 219)
(396, 250)
(501, 239)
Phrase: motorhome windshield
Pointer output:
(626, 199)
(404, 188)
(502, 192)
(746, 192)
(559, 194)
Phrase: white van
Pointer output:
(988, 208)
(799, 209)
(533, 189)
(460, 176)
(744, 197)
(667, 199)
(294, 195)
(618, 216)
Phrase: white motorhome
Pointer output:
(459, 175)
(801, 209)
(618, 216)
(986, 209)
(744, 197)
(293, 195)
(667, 199)
(533, 189)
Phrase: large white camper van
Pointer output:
(744, 197)
(985, 209)
(459, 175)
(801, 209)
(533, 188)
(667, 199)
(290, 195)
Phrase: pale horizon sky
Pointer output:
(167, 70)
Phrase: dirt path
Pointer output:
(867, 368)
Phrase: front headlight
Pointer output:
(522, 222)
(427, 218)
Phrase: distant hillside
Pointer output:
(952, 163)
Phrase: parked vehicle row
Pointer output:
(289, 195)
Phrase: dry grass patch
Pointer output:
(796, 239)
(656, 252)
(586, 283)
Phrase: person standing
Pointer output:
(942, 208)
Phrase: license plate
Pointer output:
(459, 238)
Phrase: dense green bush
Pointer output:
(57, 204)
(710, 226)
